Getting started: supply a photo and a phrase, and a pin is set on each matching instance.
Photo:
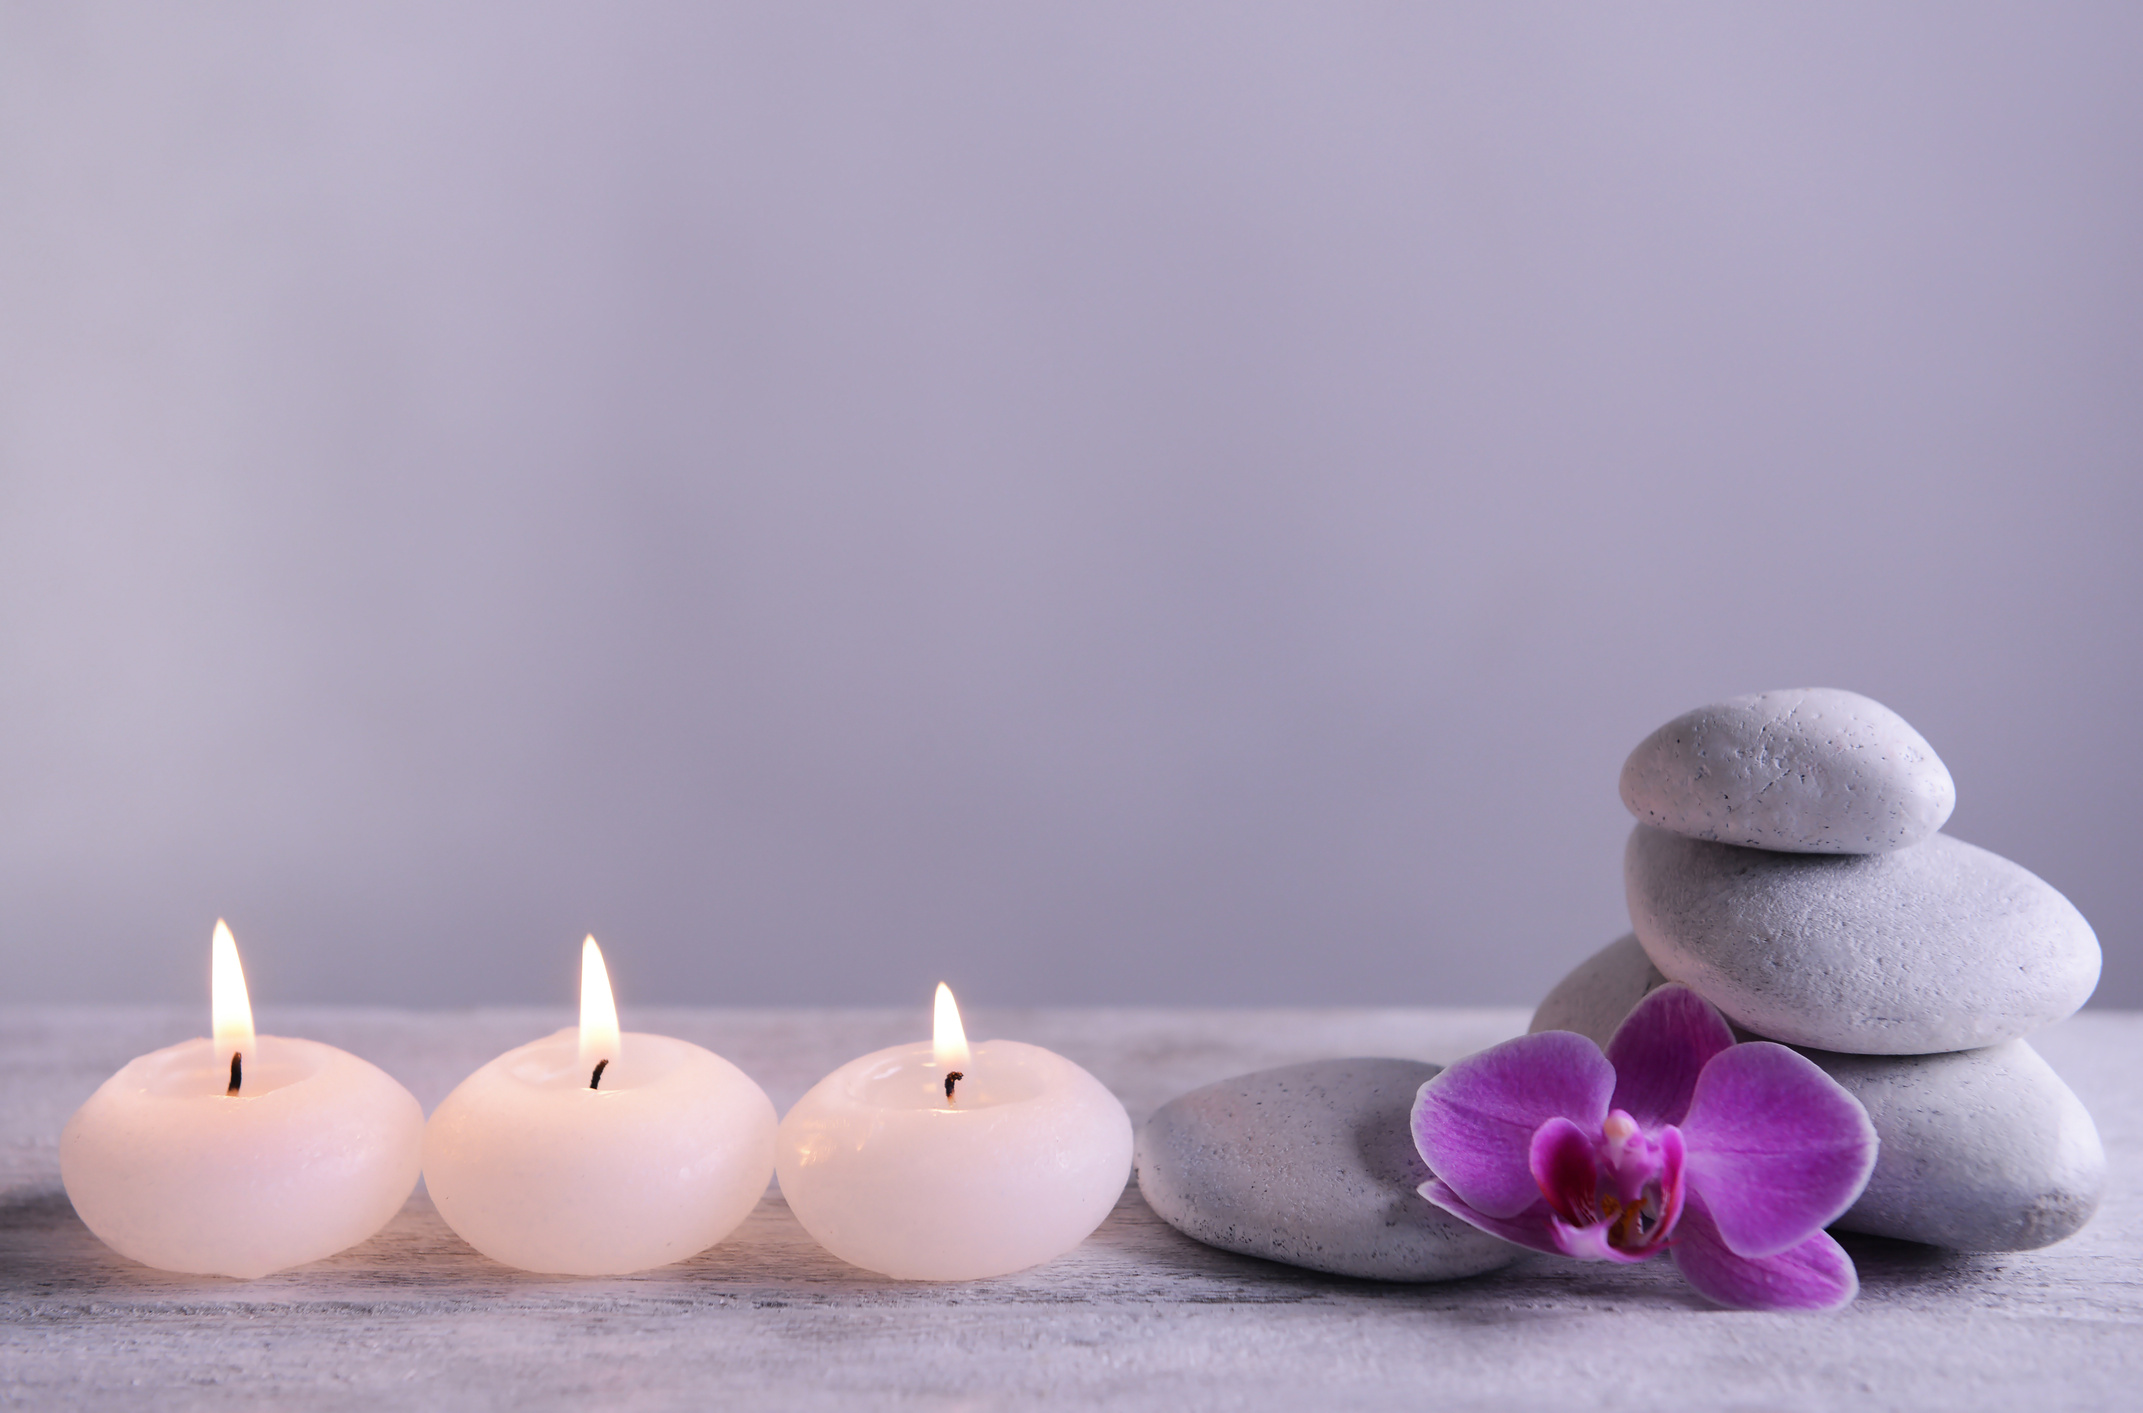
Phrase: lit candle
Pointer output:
(948, 1162)
(595, 1153)
(239, 1155)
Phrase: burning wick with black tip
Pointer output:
(230, 1009)
(948, 1039)
(598, 1015)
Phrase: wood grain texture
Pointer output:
(1138, 1318)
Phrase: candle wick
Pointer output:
(236, 1056)
(950, 1080)
(597, 1078)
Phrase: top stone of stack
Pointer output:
(1810, 770)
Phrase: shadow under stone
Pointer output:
(1886, 1263)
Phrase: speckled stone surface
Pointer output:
(1807, 770)
(1311, 1164)
(1982, 1150)
(1943, 946)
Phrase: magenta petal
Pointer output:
(1659, 1050)
(1566, 1170)
(1474, 1122)
(1775, 1147)
(1533, 1227)
(1815, 1275)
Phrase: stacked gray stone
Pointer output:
(1787, 866)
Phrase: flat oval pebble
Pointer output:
(1311, 1164)
(1942, 946)
(1811, 770)
(1981, 1150)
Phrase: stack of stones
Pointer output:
(1787, 867)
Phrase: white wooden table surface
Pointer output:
(1138, 1318)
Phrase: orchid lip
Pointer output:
(1613, 1197)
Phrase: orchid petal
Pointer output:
(1814, 1275)
(1566, 1170)
(1530, 1228)
(1659, 1050)
(1474, 1121)
(1775, 1146)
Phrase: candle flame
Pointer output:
(948, 1036)
(230, 1011)
(598, 1009)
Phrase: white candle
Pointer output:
(240, 1155)
(947, 1162)
(595, 1153)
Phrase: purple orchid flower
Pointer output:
(1732, 1157)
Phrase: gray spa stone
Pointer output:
(1311, 1164)
(1811, 770)
(1593, 999)
(1981, 1150)
(1942, 946)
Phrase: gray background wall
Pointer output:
(1098, 502)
